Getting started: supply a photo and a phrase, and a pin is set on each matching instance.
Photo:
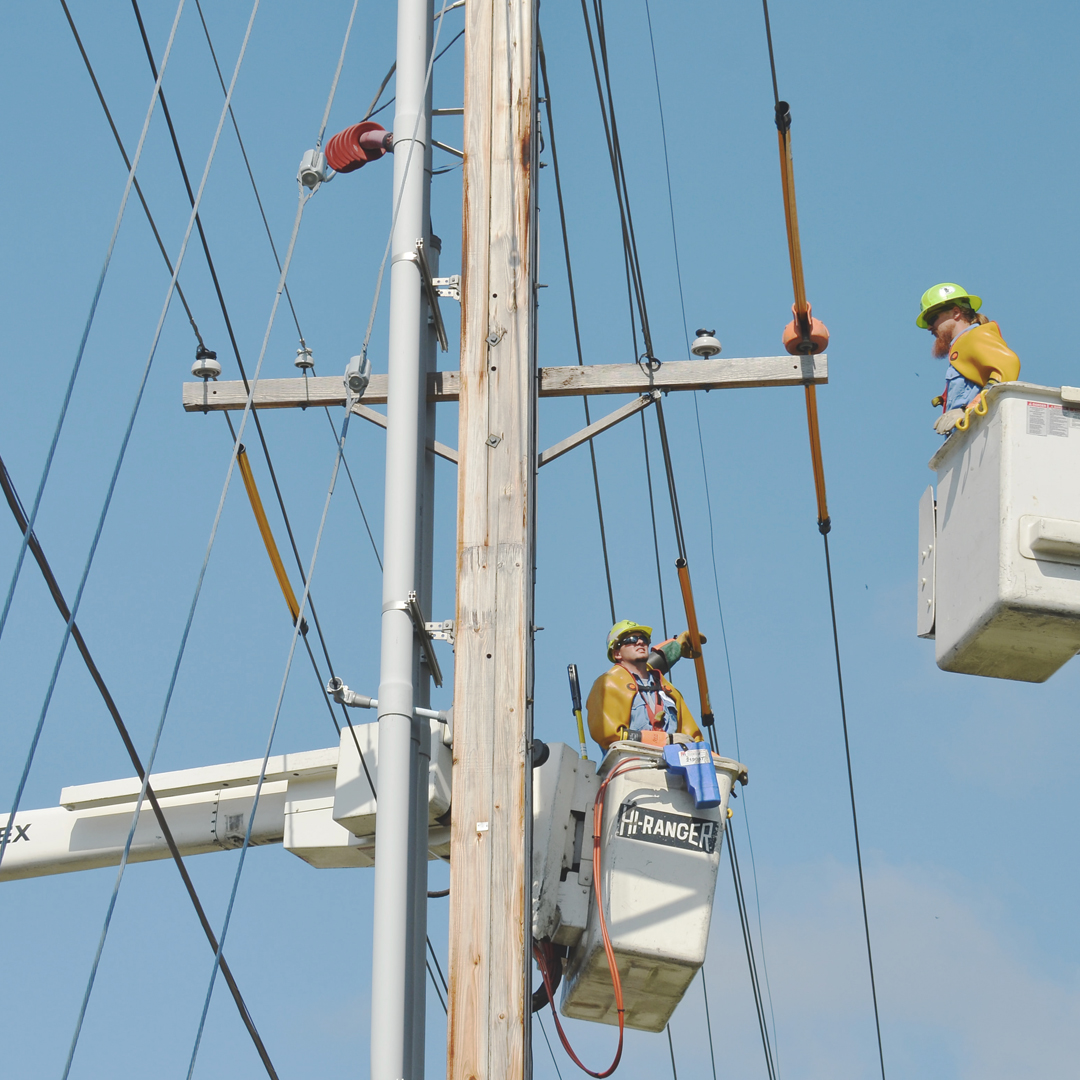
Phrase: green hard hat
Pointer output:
(947, 293)
(624, 626)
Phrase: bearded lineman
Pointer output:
(978, 355)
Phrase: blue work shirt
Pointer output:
(960, 391)
(639, 714)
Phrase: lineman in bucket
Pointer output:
(633, 694)
(978, 355)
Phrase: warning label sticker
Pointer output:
(1045, 419)
(671, 830)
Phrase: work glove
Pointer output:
(947, 421)
(686, 649)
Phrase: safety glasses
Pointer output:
(634, 639)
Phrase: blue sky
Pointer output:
(930, 144)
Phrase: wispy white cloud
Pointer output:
(963, 993)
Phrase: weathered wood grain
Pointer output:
(734, 373)
(490, 831)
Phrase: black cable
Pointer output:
(708, 1020)
(438, 967)
(438, 993)
(19, 513)
(127, 162)
(543, 1031)
(232, 335)
(748, 944)
(772, 59)
(652, 514)
(574, 315)
(247, 165)
(611, 133)
(356, 494)
(854, 815)
(671, 1049)
(437, 894)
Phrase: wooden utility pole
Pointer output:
(492, 817)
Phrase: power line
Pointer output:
(127, 163)
(802, 311)
(78, 363)
(574, 316)
(708, 503)
(671, 1050)
(97, 537)
(751, 962)
(543, 1031)
(229, 326)
(19, 513)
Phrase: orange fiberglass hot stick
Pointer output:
(683, 569)
(804, 335)
(268, 536)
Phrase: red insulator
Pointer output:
(354, 147)
(799, 343)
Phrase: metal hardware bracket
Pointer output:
(448, 286)
(441, 631)
(420, 624)
(432, 293)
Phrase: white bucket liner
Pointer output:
(659, 856)
(1005, 565)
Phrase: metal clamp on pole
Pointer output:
(427, 631)
(432, 296)
(344, 696)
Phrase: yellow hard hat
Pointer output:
(623, 626)
(945, 295)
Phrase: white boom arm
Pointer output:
(208, 809)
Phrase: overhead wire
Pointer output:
(804, 323)
(269, 741)
(80, 352)
(712, 532)
(671, 1050)
(19, 513)
(574, 317)
(318, 539)
(97, 536)
(543, 1031)
(748, 945)
(232, 335)
(127, 163)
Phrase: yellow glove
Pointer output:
(687, 649)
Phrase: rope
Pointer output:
(273, 726)
(19, 513)
(574, 316)
(93, 548)
(78, 361)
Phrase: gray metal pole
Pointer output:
(393, 1014)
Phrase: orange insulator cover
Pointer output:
(354, 147)
(793, 339)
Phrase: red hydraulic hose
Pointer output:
(616, 982)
